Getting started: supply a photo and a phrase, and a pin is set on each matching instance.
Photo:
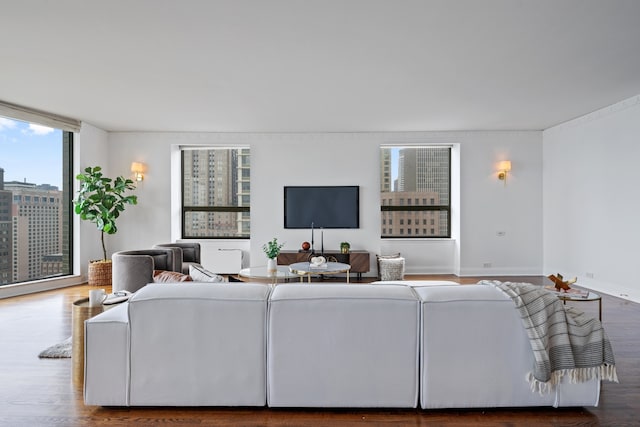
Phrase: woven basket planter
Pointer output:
(99, 273)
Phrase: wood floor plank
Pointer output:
(40, 392)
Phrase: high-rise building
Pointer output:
(385, 170)
(217, 178)
(423, 179)
(408, 223)
(425, 169)
(6, 240)
(37, 230)
(243, 188)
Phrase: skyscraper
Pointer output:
(385, 170)
(423, 180)
(425, 169)
(36, 230)
(216, 181)
(6, 240)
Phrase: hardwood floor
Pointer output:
(40, 392)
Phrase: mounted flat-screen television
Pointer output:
(324, 207)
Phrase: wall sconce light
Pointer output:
(138, 170)
(504, 167)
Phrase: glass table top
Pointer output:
(326, 268)
(260, 272)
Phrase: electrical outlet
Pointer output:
(487, 265)
(589, 275)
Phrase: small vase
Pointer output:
(272, 266)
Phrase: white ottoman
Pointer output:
(343, 346)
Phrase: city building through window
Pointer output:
(216, 189)
(35, 201)
(415, 187)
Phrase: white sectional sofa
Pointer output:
(317, 345)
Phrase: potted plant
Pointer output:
(344, 247)
(100, 200)
(272, 250)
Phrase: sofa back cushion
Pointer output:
(342, 345)
(474, 350)
(203, 342)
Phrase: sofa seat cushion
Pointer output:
(416, 283)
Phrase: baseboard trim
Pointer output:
(17, 289)
(499, 272)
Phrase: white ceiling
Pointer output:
(319, 65)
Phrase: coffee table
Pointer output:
(260, 272)
(308, 269)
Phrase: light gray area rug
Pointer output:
(59, 351)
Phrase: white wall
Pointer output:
(591, 179)
(490, 206)
(90, 149)
(486, 206)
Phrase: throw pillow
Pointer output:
(200, 274)
(391, 268)
(379, 257)
(163, 276)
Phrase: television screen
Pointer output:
(326, 207)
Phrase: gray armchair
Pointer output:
(190, 253)
(134, 269)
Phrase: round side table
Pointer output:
(308, 269)
(81, 311)
(591, 296)
(261, 272)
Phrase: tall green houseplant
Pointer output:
(101, 200)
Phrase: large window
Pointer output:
(216, 189)
(415, 191)
(35, 201)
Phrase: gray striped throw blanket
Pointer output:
(564, 341)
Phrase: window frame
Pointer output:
(40, 204)
(402, 207)
(185, 209)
